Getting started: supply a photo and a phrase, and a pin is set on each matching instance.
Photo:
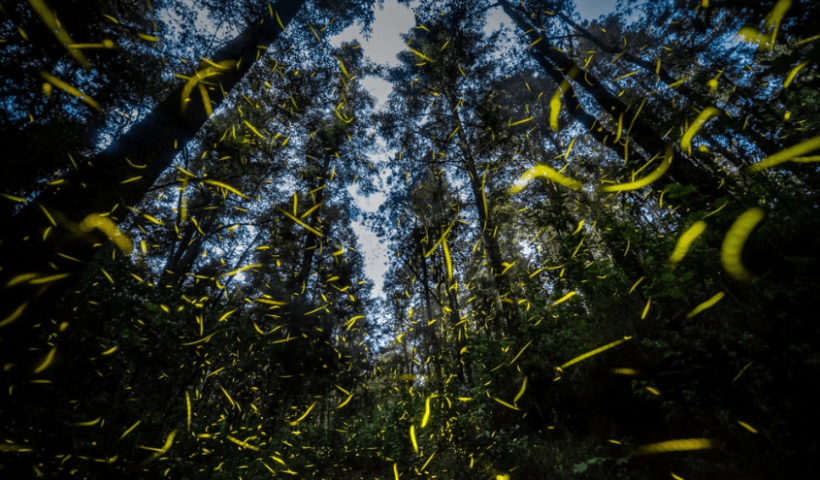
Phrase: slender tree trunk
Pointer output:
(311, 241)
(487, 225)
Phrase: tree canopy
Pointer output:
(602, 239)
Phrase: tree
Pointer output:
(151, 145)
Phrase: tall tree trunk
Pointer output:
(311, 241)
(551, 60)
(486, 223)
(99, 188)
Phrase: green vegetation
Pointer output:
(182, 293)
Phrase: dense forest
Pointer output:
(603, 241)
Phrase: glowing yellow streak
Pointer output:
(447, 260)
(413, 438)
(741, 372)
(446, 231)
(89, 423)
(484, 195)
(279, 21)
(555, 102)
(678, 83)
(48, 215)
(773, 19)
(188, 404)
(227, 187)
(21, 279)
(152, 219)
(520, 352)
(520, 392)
(580, 224)
(296, 422)
(620, 127)
(345, 402)
(53, 278)
(309, 228)
(545, 172)
(314, 33)
(425, 57)
(708, 303)
(733, 243)
(428, 461)
(342, 65)
(201, 75)
(215, 372)
(594, 352)
(636, 285)
(545, 268)
(785, 155)
(316, 310)
(520, 122)
(200, 340)
(254, 130)
(229, 397)
(502, 402)
(168, 442)
(662, 168)
(110, 351)
(206, 100)
(223, 317)
(241, 443)
(564, 298)
(310, 210)
(129, 430)
(685, 241)
(646, 308)
(396, 470)
(536, 41)
(133, 165)
(703, 117)
(14, 315)
(624, 371)
(269, 302)
(426, 416)
(69, 89)
(807, 40)
(47, 361)
(268, 467)
(148, 38)
(353, 321)
(54, 26)
(675, 446)
(16, 199)
(107, 275)
(746, 426)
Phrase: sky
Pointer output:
(592, 9)
(382, 48)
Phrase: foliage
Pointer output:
(541, 331)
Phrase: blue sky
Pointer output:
(592, 9)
